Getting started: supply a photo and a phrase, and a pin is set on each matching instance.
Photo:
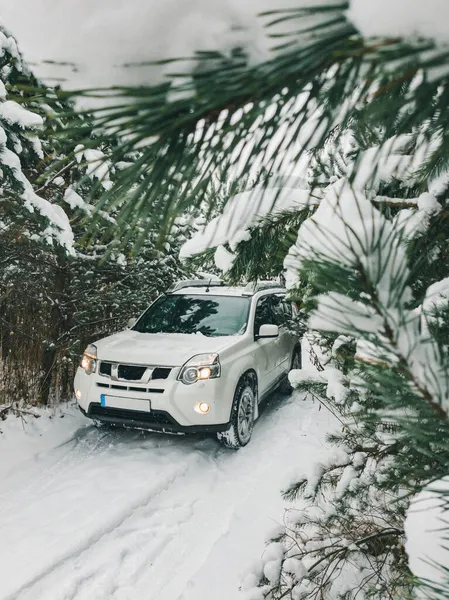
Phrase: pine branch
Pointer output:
(198, 134)
(404, 366)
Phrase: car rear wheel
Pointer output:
(242, 417)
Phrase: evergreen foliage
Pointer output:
(57, 292)
(368, 265)
(225, 116)
(369, 268)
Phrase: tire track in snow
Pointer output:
(48, 505)
(134, 555)
(158, 545)
(242, 462)
(73, 450)
(110, 563)
(97, 537)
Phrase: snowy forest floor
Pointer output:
(89, 513)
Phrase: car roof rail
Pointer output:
(188, 283)
(259, 286)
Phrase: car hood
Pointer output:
(161, 349)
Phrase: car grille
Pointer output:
(132, 372)
(105, 368)
(161, 373)
(129, 388)
(123, 415)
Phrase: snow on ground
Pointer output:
(26, 436)
(92, 513)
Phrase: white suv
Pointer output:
(200, 358)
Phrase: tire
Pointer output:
(296, 363)
(242, 416)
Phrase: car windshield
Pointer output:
(206, 314)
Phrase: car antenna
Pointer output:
(208, 285)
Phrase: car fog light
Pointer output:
(78, 394)
(203, 408)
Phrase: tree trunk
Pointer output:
(57, 323)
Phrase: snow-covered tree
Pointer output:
(369, 266)
(32, 228)
(242, 102)
(56, 303)
(59, 287)
(22, 156)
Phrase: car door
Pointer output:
(266, 350)
(282, 311)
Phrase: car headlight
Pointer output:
(89, 359)
(200, 368)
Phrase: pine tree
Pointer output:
(33, 229)
(22, 156)
(369, 264)
(59, 288)
(81, 297)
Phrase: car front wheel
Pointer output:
(242, 417)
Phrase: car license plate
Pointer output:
(125, 403)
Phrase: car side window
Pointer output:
(279, 312)
(288, 310)
(264, 314)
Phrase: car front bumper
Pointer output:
(167, 405)
(155, 420)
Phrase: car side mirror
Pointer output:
(268, 331)
(131, 322)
